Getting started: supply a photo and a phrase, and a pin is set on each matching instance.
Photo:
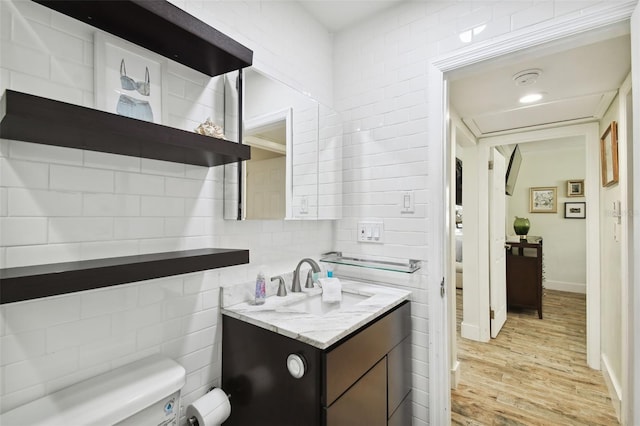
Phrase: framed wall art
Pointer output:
(609, 155)
(129, 80)
(543, 199)
(575, 188)
(575, 210)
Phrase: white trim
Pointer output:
(437, 212)
(471, 331)
(632, 395)
(592, 18)
(613, 386)
(589, 19)
(455, 375)
(566, 286)
(626, 242)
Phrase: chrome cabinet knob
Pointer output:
(296, 365)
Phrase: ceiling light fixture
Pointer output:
(530, 98)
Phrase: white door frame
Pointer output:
(632, 384)
(598, 16)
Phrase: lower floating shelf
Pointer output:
(33, 282)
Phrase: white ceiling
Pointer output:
(578, 81)
(337, 15)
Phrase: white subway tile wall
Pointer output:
(59, 204)
(110, 205)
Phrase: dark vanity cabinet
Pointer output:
(363, 379)
(524, 274)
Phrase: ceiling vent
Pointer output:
(527, 77)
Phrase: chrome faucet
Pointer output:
(295, 285)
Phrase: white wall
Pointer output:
(63, 204)
(564, 240)
(610, 276)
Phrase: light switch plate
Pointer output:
(370, 232)
(407, 202)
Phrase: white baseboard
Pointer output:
(566, 286)
(455, 375)
(470, 331)
(613, 385)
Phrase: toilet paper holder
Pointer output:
(193, 420)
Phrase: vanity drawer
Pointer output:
(398, 374)
(402, 415)
(349, 361)
(364, 402)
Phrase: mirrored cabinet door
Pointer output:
(295, 171)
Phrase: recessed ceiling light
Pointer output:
(530, 98)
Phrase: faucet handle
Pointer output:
(295, 283)
(309, 283)
(282, 290)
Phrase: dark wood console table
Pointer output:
(524, 274)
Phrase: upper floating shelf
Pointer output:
(32, 118)
(32, 282)
(162, 28)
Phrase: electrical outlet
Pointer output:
(370, 232)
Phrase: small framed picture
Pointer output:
(543, 199)
(575, 210)
(129, 80)
(575, 188)
(609, 155)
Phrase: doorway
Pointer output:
(554, 30)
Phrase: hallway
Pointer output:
(534, 373)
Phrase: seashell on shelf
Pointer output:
(208, 128)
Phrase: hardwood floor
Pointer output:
(534, 373)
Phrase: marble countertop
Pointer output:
(320, 331)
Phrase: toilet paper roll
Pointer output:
(210, 410)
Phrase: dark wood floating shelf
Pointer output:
(33, 282)
(162, 28)
(32, 118)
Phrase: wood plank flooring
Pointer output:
(534, 373)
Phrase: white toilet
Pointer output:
(145, 392)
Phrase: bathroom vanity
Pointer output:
(286, 363)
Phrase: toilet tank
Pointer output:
(145, 392)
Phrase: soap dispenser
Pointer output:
(261, 289)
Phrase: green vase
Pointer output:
(521, 225)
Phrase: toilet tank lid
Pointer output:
(105, 399)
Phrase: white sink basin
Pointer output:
(314, 304)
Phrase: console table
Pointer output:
(524, 274)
